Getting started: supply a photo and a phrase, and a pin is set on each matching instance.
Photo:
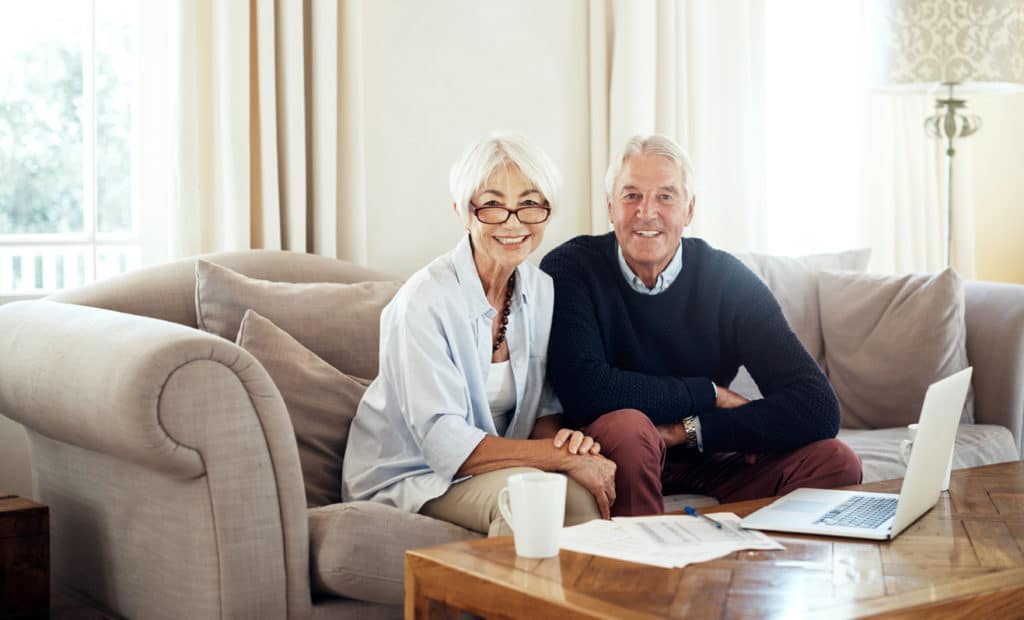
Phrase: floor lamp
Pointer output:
(952, 47)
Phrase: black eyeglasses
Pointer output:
(500, 215)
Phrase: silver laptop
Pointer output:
(879, 516)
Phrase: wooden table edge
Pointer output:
(417, 561)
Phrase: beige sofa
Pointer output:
(171, 467)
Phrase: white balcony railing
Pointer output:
(28, 270)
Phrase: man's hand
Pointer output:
(596, 474)
(673, 434)
(727, 399)
(578, 443)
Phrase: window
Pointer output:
(68, 206)
(814, 63)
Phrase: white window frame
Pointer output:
(51, 244)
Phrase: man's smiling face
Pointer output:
(649, 210)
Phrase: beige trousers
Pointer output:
(473, 503)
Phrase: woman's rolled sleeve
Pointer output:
(448, 444)
(432, 393)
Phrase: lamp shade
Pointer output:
(919, 44)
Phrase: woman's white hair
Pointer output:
(488, 153)
(653, 144)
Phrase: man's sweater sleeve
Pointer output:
(579, 369)
(799, 405)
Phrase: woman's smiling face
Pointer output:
(508, 244)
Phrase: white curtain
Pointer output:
(252, 127)
(252, 130)
(692, 71)
(697, 71)
(904, 180)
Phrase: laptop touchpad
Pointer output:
(800, 505)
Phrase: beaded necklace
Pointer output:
(504, 313)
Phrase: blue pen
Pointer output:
(693, 513)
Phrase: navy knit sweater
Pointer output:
(614, 348)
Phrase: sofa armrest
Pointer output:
(94, 378)
(995, 347)
(167, 453)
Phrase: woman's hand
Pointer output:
(596, 474)
(578, 443)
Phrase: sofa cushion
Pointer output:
(794, 282)
(976, 445)
(321, 402)
(338, 322)
(357, 548)
(887, 339)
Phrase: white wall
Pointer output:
(997, 170)
(439, 74)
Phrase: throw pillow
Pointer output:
(321, 401)
(889, 338)
(794, 282)
(338, 322)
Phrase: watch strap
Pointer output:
(690, 427)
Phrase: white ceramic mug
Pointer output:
(534, 506)
(907, 444)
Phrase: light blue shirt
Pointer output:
(428, 409)
(665, 278)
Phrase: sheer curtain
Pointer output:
(251, 126)
(904, 175)
(792, 154)
(693, 71)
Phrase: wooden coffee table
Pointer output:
(964, 558)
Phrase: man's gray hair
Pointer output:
(488, 153)
(653, 144)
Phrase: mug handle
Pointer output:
(505, 507)
(905, 451)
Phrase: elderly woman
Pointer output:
(461, 402)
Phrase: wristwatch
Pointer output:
(690, 427)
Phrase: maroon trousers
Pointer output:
(647, 469)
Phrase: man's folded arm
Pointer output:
(799, 405)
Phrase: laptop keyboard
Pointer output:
(860, 511)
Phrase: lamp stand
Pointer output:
(949, 123)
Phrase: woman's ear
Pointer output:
(455, 208)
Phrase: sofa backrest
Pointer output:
(167, 291)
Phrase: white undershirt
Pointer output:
(501, 394)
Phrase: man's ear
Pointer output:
(690, 209)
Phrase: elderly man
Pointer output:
(648, 329)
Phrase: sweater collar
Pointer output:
(665, 278)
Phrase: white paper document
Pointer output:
(666, 540)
